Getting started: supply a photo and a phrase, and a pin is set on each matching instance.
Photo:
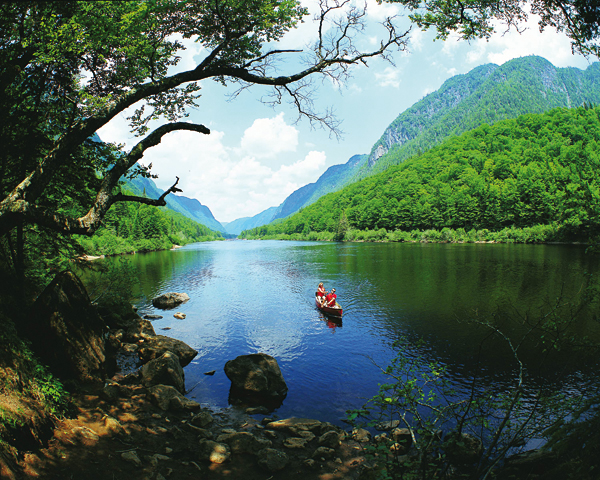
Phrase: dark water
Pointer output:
(258, 296)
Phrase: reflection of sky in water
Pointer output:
(248, 297)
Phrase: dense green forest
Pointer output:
(536, 170)
(134, 227)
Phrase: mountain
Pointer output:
(332, 180)
(237, 226)
(534, 172)
(487, 94)
(190, 207)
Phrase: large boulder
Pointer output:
(154, 347)
(169, 300)
(165, 370)
(256, 378)
(66, 331)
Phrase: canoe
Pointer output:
(332, 311)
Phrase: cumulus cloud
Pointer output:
(389, 78)
(240, 180)
(269, 137)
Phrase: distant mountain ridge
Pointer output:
(332, 180)
(190, 207)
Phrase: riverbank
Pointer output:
(137, 424)
(529, 235)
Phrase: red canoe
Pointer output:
(332, 311)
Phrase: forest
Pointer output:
(135, 227)
(538, 170)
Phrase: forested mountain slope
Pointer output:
(534, 170)
(486, 94)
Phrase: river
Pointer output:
(258, 296)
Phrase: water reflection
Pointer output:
(249, 297)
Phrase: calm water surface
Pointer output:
(258, 296)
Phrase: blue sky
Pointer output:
(256, 156)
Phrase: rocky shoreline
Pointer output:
(130, 417)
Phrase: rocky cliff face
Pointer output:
(421, 116)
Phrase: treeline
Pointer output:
(133, 227)
(534, 170)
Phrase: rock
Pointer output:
(257, 379)
(116, 312)
(139, 330)
(244, 442)
(111, 392)
(131, 457)
(361, 435)
(66, 331)
(152, 317)
(112, 425)
(323, 452)
(86, 436)
(330, 439)
(154, 347)
(294, 424)
(169, 300)
(180, 403)
(462, 450)
(179, 315)
(165, 370)
(166, 397)
(310, 463)
(213, 451)
(295, 443)
(272, 459)
(384, 426)
(204, 433)
(202, 419)
(306, 435)
(257, 410)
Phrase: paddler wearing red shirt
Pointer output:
(331, 298)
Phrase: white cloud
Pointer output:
(389, 77)
(549, 44)
(380, 12)
(452, 71)
(269, 137)
(232, 181)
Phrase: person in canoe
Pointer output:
(321, 293)
(330, 299)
